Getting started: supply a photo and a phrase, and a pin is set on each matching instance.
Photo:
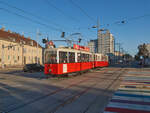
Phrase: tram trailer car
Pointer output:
(60, 61)
(100, 60)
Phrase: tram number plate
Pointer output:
(64, 68)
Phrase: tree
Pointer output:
(127, 56)
(142, 51)
(136, 57)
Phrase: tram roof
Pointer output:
(66, 49)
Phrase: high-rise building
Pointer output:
(93, 46)
(105, 42)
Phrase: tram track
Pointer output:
(72, 98)
(78, 95)
(49, 94)
(107, 88)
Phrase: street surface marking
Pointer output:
(133, 95)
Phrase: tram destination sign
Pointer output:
(78, 47)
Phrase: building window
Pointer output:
(35, 59)
(18, 48)
(14, 57)
(8, 57)
(39, 60)
(14, 48)
(18, 57)
(24, 50)
(2, 46)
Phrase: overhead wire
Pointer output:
(82, 10)
(29, 13)
(123, 21)
(60, 11)
(29, 19)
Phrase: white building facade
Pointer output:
(16, 50)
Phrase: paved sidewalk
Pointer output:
(133, 95)
(10, 69)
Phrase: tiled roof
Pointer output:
(15, 37)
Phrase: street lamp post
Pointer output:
(98, 28)
(37, 37)
(3, 56)
(22, 53)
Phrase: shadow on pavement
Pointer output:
(35, 97)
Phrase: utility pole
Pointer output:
(22, 45)
(98, 27)
(114, 51)
(117, 55)
(3, 54)
(37, 38)
(119, 50)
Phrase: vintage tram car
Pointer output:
(64, 60)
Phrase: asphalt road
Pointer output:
(32, 93)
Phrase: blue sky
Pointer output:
(70, 19)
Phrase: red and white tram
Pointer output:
(67, 60)
(100, 60)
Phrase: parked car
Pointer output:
(33, 68)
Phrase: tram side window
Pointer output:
(71, 57)
(90, 59)
(86, 58)
(103, 58)
(82, 57)
(62, 57)
(50, 57)
(78, 57)
(98, 58)
(95, 57)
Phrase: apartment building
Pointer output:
(17, 50)
(92, 44)
(105, 42)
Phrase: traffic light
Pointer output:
(44, 40)
(79, 40)
(63, 34)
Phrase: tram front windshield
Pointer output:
(50, 57)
